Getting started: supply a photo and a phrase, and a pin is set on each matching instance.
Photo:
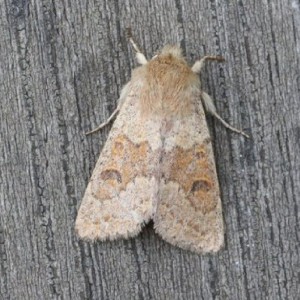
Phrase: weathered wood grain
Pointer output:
(62, 65)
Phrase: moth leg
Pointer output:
(115, 112)
(198, 65)
(210, 107)
(140, 57)
(123, 95)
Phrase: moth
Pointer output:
(158, 162)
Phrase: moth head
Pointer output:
(170, 51)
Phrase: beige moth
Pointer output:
(158, 162)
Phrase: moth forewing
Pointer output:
(118, 199)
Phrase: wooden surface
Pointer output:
(62, 66)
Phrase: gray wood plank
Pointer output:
(62, 66)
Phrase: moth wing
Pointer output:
(119, 197)
(189, 212)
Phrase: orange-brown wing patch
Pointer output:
(127, 161)
(189, 212)
(194, 170)
(119, 197)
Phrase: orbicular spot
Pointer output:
(119, 146)
(201, 185)
(106, 218)
(111, 174)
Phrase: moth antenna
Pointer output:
(198, 65)
(140, 57)
(123, 95)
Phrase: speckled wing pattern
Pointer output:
(189, 211)
(155, 169)
(119, 197)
